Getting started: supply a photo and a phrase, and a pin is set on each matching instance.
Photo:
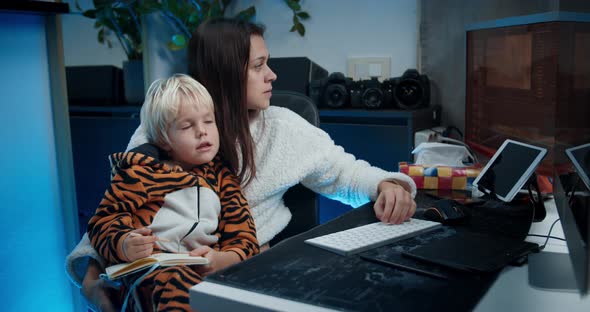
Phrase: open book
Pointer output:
(164, 259)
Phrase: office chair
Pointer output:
(302, 202)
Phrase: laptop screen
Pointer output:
(580, 157)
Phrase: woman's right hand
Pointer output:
(96, 291)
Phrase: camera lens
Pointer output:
(335, 95)
(409, 93)
(372, 98)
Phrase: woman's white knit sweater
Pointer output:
(289, 150)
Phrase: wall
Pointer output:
(442, 42)
(81, 46)
(337, 30)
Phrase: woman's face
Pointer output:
(260, 76)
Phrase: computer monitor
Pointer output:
(580, 158)
(573, 206)
(572, 197)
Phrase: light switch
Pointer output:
(367, 67)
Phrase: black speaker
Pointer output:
(95, 85)
(295, 73)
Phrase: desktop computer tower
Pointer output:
(295, 73)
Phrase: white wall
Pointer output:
(81, 46)
(337, 30)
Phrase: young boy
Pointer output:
(174, 194)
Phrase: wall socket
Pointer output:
(367, 67)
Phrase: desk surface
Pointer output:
(302, 273)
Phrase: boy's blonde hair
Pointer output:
(162, 103)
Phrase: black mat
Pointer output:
(301, 272)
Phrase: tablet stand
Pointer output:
(539, 211)
(535, 199)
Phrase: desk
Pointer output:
(310, 279)
(512, 291)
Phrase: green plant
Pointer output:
(186, 15)
(123, 19)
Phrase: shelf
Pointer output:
(33, 7)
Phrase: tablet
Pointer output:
(580, 157)
(509, 169)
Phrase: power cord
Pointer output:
(458, 142)
(548, 236)
(443, 136)
(551, 237)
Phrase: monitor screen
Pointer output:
(580, 157)
(508, 170)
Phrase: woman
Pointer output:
(276, 148)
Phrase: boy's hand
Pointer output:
(217, 259)
(138, 244)
(394, 203)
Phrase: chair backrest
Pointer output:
(302, 202)
(297, 102)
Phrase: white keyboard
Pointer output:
(370, 236)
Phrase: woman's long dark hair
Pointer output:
(218, 56)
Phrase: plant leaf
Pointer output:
(303, 15)
(294, 5)
(226, 3)
(78, 7)
(300, 29)
(247, 14)
(174, 47)
(90, 13)
(215, 10)
(193, 19)
(179, 40)
(100, 36)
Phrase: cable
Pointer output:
(552, 237)
(131, 290)
(548, 235)
(458, 142)
(572, 191)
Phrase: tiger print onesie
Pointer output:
(188, 209)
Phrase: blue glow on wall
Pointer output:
(32, 271)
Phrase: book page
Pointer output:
(165, 259)
(170, 259)
(117, 270)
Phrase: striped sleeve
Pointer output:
(236, 225)
(114, 216)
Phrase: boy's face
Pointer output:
(193, 135)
